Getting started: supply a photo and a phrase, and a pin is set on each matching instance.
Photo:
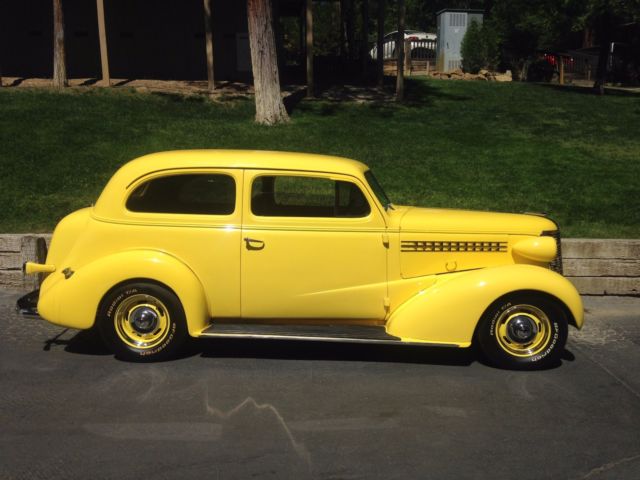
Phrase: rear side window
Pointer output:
(205, 194)
(291, 196)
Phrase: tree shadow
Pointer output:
(122, 83)
(16, 82)
(89, 81)
(331, 99)
(586, 90)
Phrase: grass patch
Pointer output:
(505, 147)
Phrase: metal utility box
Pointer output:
(452, 25)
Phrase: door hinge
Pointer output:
(387, 303)
(385, 240)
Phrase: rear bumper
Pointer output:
(28, 304)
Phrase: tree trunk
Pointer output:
(349, 21)
(604, 38)
(343, 23)
(208, 33)
(400, 51)
(309, 46)
(59, 60)
(102, 36)
(364, 46)
(380, 44)
(264, 61)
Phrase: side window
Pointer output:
(206, 194)
(289, 196)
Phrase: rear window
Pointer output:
(205, 194)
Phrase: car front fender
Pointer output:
(72, 298)
(447, 312)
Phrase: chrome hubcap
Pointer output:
(143, 319)
(521, 329)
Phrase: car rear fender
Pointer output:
(448, 311)
(72, 299)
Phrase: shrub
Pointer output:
(472, 49)
(540, 70)
(480, 48)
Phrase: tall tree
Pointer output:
(264, 61)
(309, 45)
(59, 57)
(208, 34)
(102, 37)
(364, 45)
(401, 52)
(380, 44)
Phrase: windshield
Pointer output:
(377, 189)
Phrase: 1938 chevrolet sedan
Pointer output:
(286, 245)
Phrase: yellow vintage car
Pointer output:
(217, 243)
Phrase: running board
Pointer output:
(326, 333)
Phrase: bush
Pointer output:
(540, 70)
(479, 47)
(472, 49)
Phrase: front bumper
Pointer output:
(28, 304)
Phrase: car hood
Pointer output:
(443, 220)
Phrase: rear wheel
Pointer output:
(523, 331)
(142, 322)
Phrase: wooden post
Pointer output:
(560, 70)
(102, 34)
(407, 57)
(364, 47)
(309, 46)
(59, 57)
(380, 44)
(208, 33)
(400, 51)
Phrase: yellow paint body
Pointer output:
(427, 274)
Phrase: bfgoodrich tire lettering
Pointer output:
(523, 331)
(142, 322)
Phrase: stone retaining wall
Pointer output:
(594, 266)
(602, 267)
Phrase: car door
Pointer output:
(312, 248)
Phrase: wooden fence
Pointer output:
(420, 57)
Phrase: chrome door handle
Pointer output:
(253, 244)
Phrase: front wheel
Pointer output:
(142, 322)
(523, 331)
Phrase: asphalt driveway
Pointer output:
(271, 409)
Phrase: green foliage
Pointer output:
(496, 146)
(472, 49)
(479, 47)
(525, 27)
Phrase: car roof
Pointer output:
(114, 191)
(253, 159)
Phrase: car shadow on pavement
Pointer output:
(84, 342)
(88, 342)
(332, 351)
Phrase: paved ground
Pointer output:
(244, 409)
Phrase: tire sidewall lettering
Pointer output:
(118, 299)
(162, 346)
